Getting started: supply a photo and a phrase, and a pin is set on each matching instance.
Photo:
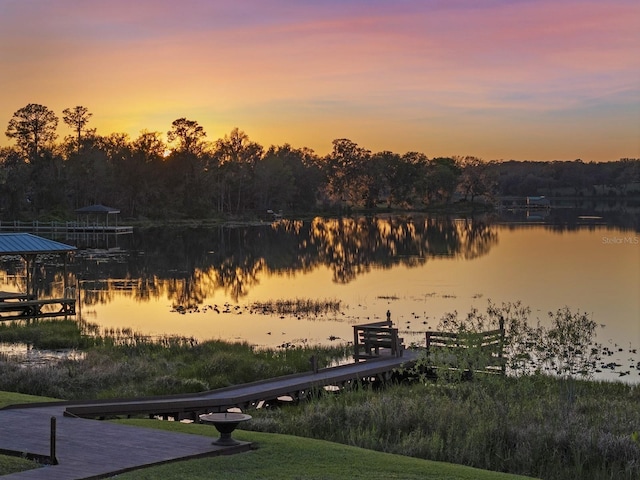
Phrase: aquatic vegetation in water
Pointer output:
(297, 307)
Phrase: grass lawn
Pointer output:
(288, 457)
(10, 398)
(15, 464)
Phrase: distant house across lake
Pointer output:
(538, 202)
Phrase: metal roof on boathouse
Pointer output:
(27, 243)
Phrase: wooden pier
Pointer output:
(381, 364)
(81, 234)
(296, 387)
(62, 228)
(90, 449)
(21, 306)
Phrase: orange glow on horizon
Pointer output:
(505, 80)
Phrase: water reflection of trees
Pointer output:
(187, 265)
(351, 247)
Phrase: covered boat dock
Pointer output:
(21, 305)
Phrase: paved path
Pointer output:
(94, 449)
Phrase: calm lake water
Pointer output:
(206, 283)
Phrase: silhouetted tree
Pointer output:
(442, 179)
(236, 156)
(104, 165)
(310, 177)
(32, 127)
(77, 119)
(185, 178)
(14, 177)
(189, 135)
(306, 177)
(347, 169)
(274, 183)
(474, 178)
(143, 192)
(47, 192)
(375, 176)
(408, 181)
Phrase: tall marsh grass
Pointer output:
(544, 420)
(122, 363)
(45, 334)
(524, 426)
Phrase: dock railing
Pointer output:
(372, 340)
(468, 352)
(37, 226)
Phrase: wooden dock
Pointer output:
(81, 234)
(87, 448)
(37, 308)
(294, 387)
(65, 228)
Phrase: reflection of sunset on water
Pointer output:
(418, 269)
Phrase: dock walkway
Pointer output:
(65, 227)
(87, 448)
(249, 395)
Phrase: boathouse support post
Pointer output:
(30, 261)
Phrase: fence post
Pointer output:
(52, 453)
(356, 345)
(503, 363)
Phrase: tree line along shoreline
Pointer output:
(187, 176)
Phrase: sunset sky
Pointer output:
(498, 79)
